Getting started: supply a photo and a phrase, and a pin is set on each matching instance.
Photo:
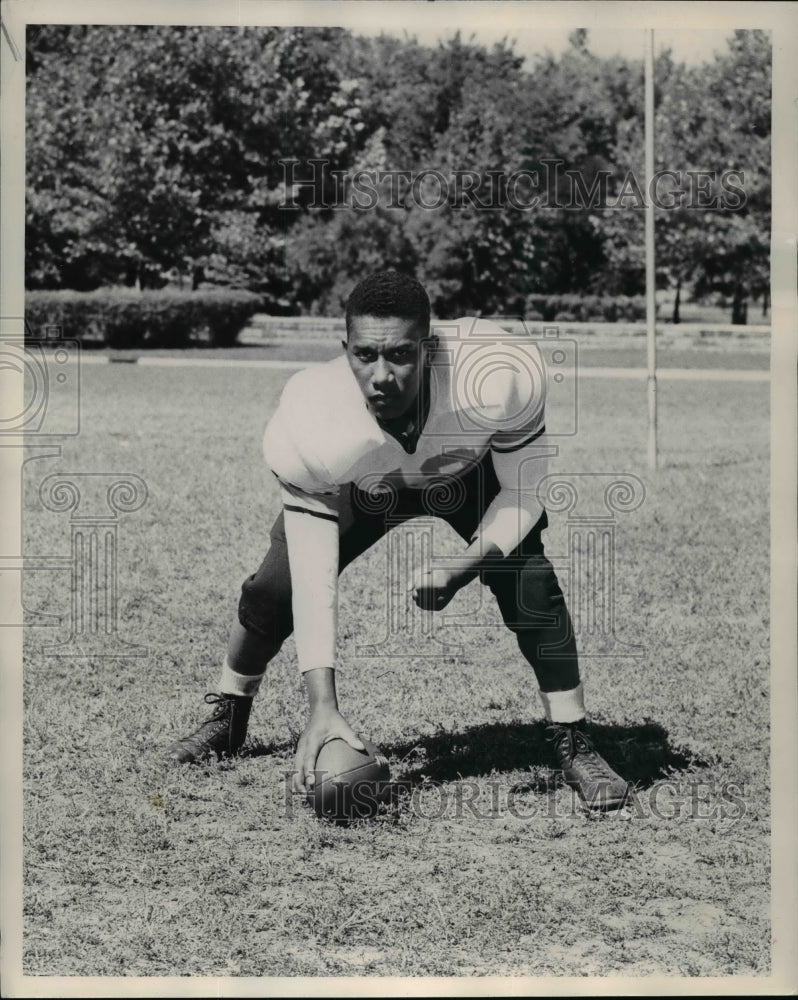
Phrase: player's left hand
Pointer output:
(433, 589)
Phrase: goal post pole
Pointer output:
(651, 306)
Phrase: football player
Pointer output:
(406, 416)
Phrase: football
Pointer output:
(350, 784)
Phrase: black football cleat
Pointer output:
(584, 769)
(222, 735)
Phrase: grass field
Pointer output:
(748, 358)
(135, 868)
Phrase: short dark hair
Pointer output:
(389, 294)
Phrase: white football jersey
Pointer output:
(487, 390)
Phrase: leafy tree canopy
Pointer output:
(226, 155)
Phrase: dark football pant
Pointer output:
(524, 583)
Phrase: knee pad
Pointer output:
(264, 606)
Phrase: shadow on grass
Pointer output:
(258, 748)
(641, 753)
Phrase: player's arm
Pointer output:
(311, 530)
(310, 511)
(520, 453)
(515, 509)
(311, 500)
(509, 518)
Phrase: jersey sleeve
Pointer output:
(313, 559)
(520, 455)
(310, 509)
(515, 509)
(524, 405)
(290, 443)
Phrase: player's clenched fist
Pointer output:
(433, 589)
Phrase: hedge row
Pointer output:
(173, 318)
(585, 308)
(127, 318)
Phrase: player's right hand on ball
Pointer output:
(324, 724)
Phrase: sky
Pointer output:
(693, 33)
(692, 29)
(688, 46)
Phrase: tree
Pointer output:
(189, 151)
(476, 251)
(142, 141)
(712, 129)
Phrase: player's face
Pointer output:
(387, 359)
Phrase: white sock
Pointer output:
(242, 684)
(564, 706)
